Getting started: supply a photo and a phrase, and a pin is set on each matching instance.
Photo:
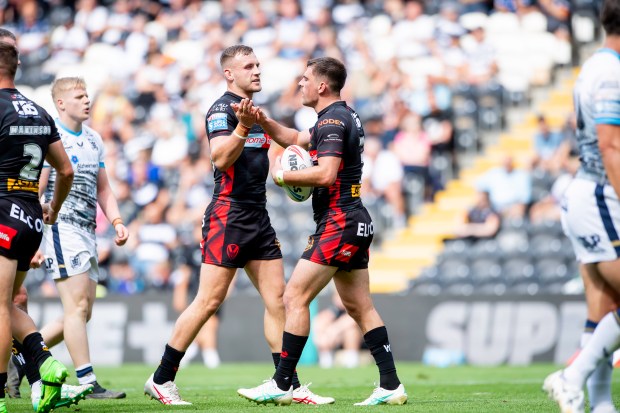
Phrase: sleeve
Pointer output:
(331, 133)
(220, 121)
(101, 152)
(607, 97)
(54, 135)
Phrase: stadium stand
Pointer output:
(152, 67)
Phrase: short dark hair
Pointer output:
(9, 59)
(232, 51)
(332, 70)
(610, 17)
(7, 33)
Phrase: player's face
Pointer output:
(77, 104)
(245, 71)
(309, 88)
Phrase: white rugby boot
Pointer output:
(570, 398)
(383, 396)
(268, 392)
(303, 395)
(167, 393)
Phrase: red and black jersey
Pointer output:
(26, 131)
(244, 181)
(338, 132)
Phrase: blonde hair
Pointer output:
(65, 84)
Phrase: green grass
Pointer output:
(454, 389)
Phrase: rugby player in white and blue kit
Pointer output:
(591, 220)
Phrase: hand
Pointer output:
(122, 234)
(277, 166)
(49, 215)
(37, 260)
(245, 112)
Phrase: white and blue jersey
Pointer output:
(597, 101)
(590, 208)
(86, 153)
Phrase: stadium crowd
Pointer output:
(425, 77)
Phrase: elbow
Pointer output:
(327, 181)
(67, 173)
(221, 164)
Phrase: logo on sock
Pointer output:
(387, 348)
(44, 347)
(284, 354)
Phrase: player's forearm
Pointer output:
(281, 134)
(108, 203)
(609, 144)
(64, 180)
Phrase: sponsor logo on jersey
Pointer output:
(333, 137)
(93, 144)
(346, 253)
(80, 144)
(217, 121)
(30, 130)
(334, 122)
(21, 185)
(258, 140)
(220, 107)
(232, 250)
(356, 190)
(74, 159)
(6, 236)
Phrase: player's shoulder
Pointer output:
(336, 115)
(222, 104)
(91, 133)
(603, 62)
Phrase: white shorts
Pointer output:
(591, 220)
(69, 251)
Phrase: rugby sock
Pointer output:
(599, 382)
(604, 341)
(85, 374)
(276, 359)
(292, 347)
(169, 365)
(35, 346)
(379, 346)
(24, 361)
(3, 378)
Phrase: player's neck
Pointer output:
(71, 124)
(7, 83)
(612, 42)
(324, 102)
(240, 92)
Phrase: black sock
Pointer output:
(169, 365)
(24, 361)
(3, 378)
(276, 359)
(35, 346)
(292, 347)
(379, 346)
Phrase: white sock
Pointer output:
(87, 378)
(326, 359)
(604, 341)
(350, 358)
(211, 358)
(599, 382)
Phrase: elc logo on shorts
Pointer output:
(6, 236)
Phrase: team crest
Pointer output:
(278, 245)
(232, 250)
(75, 261)
(591, 242)
(310, 244)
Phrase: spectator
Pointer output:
(481, 220)
(333, 328)
(549, 156)
(382, 177)
(510, 189)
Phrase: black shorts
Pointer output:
(21, 230)
(342, 240)
(233, 235)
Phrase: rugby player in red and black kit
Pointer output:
(236, 229)
(27, 137)
(339, 247)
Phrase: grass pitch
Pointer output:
(454, 389)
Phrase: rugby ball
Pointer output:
(295, 158)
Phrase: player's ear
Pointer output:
(228, 74)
